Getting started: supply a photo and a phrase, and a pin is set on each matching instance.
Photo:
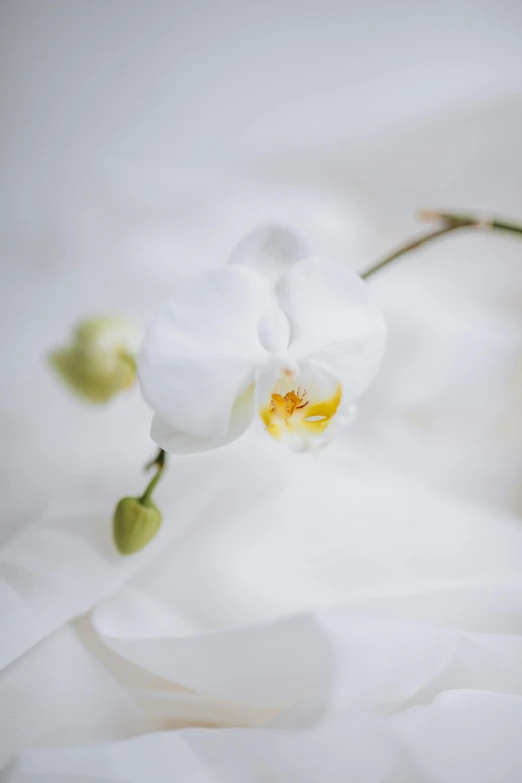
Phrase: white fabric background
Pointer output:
(139, 142)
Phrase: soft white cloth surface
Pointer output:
(355, 616)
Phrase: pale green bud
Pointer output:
(100, 362)
(135, 523)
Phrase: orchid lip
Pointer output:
(298, 413)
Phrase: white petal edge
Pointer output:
(271, 250)
(178, 442)
(334, 323)
(200, 352)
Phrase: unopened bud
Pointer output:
(100, 362)
(134, 525)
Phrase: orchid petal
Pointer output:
(179, 442)
(200, 353)
(270, 250)
(335, 326)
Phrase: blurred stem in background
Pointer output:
(448, 222)
(159, 464)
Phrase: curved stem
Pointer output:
(159, 459)
(449, 222)
(159, 463)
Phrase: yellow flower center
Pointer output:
(285, 406)
(294, 411)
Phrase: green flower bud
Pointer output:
(135, 523)
(100, 361)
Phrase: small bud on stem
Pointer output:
(137, 520)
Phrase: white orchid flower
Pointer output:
(279, 337)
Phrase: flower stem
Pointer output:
(449, 222)
(159, 463)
